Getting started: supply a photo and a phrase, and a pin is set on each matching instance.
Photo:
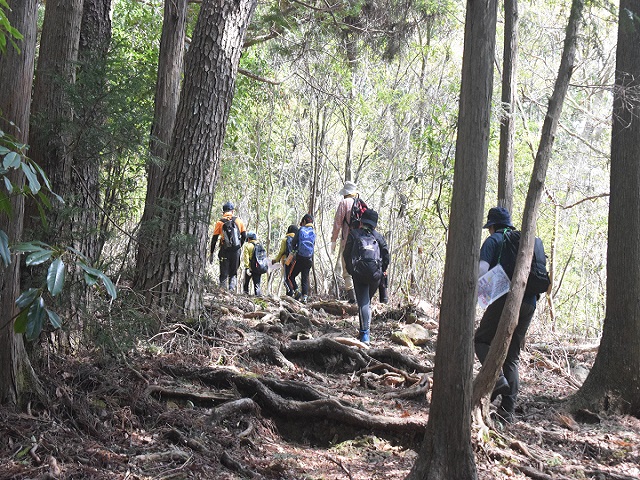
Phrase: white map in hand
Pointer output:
(492, 285)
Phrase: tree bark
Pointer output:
(446, 451)
(16, 80)
(170, 69)
(613, 384)
(507, 122)
(174, 272)
(497, 353)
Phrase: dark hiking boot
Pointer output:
(504, 416)
(502, 388)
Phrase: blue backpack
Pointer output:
(306, 242)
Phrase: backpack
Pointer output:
(538, 281)
(366, 259)
(357, 209)
(230, 233)
(259, 261)
(306, 241)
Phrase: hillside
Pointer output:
(271, 388)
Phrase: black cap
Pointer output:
(498, 216)
(370, 217)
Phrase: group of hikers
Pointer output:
(364, 255)
(364, 260)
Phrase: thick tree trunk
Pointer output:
(613, 384)
(170, 69)
(16, 79)
(507, 122)
(447, 451)
(174, 272)
(497, 353)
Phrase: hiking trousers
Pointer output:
(255, 277)
(229, 264)
(484, 335)
(364, 294)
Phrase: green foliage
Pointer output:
(7, 32)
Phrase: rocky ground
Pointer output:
(270, 388)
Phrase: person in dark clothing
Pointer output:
(499, 221)
(366, 284)
(229, 255)
(249, 273)
(286, 248)
(303, 244)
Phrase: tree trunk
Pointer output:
(176, 266)
(507, 122)
(498, 352)
(170, 69)
(446, 451)
(613, 384)
(16, 79)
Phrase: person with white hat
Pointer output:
(341, 225)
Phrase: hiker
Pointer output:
(366, 257)
(303, 244)
(233, 234)
(255, 262)
(498, 222)
(341, 224)
(285, 256)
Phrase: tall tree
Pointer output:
(170, 69)
(16, 78)
(446, 450)
(613, 384)
(507, 122)
(508, 320)
(174, 272)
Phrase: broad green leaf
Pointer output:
(28, 247)
(78, 253)
(12, 160)
(35, 318)
(94, 272)
(5, 253)
(44, 199)
(90, 279)
(34, 184)
(43, 175)
(8, 185)
(3, 150)
(42, 213)
(26, 298)
(38, 257)
(20, 325)
(108, 284)
(54, 319)
(55, 276)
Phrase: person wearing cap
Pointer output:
(249, 274)
(499, 221)
(341, 225)
(365, 288)
(286, 247)
(303, 244)
(228, 255)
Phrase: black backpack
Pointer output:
(230, 233)
(259, 260)
(366, 259)
(357, 209)
(538, 281)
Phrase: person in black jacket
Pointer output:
(366, 257)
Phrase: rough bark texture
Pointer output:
(178, 252)
(446, 451)
(613, 384)
(170, 69)
(16, 79)
(497, 353)
(507, 122)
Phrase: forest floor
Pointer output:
(270, 388)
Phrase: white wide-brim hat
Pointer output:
(349, 188)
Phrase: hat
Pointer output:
(498, 216)
(349, 188)
(370, 217)
(227, 207)
(252, 236)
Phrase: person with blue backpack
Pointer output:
(366, 257)
(232, 234)
(285, 256)
(255, 262)
(501, 247)
(303, 244)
